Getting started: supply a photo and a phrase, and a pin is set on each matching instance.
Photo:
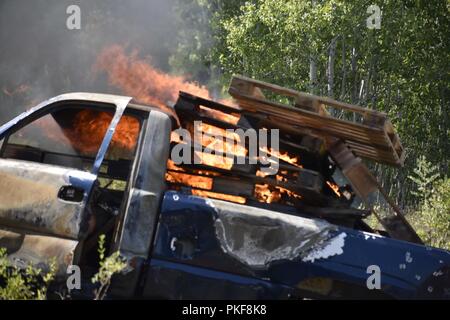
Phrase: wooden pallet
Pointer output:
(372, 138)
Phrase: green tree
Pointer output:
(199, 37)
(425, 174)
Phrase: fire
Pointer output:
(265, 193)
(294, 160)
(201, 184)
(138, 78)
(334, 187)
(89, 128)
(86, 132)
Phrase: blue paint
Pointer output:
(181, 281)
(191, 219)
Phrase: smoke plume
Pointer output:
(40, 57)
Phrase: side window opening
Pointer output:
(118, 159)
(70, 136)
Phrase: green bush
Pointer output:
(28, 284)
(108, 267)
(32, 283)
(432, 218)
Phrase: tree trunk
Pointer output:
(344, 72)
(313, 74)
(330, 69)
(355, 76)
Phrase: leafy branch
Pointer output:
(24, 284)
(108, 267)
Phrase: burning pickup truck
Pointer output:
(84, 164)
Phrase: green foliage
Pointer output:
(18, 284)
(432, 221)
(33, 282)
(425, 174)
(108, 267)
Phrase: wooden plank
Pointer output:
(365, 185)
(238, 81)
(196, 101)
(374, 138)
(303, 117)
(333, 127)
(363, 149)
(310, 190)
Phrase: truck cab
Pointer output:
(84, 164)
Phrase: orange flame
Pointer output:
(88, 128)
(138, 78)
(334, 187)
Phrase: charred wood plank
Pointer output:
(365, 185)
(309, 184)
(188, 102)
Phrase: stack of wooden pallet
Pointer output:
(363, 133)
(322, 133)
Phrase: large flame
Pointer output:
(138, 78)
(90, 127)
(86, 132)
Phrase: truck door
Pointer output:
(50, 158)
(136, 229)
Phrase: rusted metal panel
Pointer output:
(38, 226)
(29, 191)
(29, 198)
(136, 230)
(23, 249)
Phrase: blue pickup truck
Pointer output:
(84, 164)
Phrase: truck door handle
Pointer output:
(71, 193)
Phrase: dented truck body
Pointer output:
(55, 202)
(274, 255)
